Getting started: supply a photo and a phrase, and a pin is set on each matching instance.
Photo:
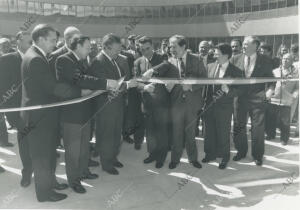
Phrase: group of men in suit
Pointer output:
(166, 114)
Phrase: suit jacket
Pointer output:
(54, 55)
(39, 85)
(130, 60)
(73, 72)
(234, 90)
(194, 69)
(262, 68)
(10, 76)
(102, 67)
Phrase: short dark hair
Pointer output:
(225, 49)
(109, 39)
(181, 40)
(267, 47)
(78, 40)
(20, 34)
(237, 40)
(41, 30)
(144, 40)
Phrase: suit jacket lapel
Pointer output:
(188, 64)
(74, 59)
(256, 67)
(40, 53)
(111, 67)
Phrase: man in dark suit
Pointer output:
(10, 65)
(68, 35)
(40, 87)
(218, 107)
(76, 117)
(109, 64)
(253, 100)
(156, 101)
(186, 100)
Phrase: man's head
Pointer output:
(295, 51)
(287, 60)
(94, 49)
(283, 49)
(236, 46)
(146, 47)
(266, 49)
(5, 46)
(222, 52)
(131, 41)
(24, 41)
(69, 33)
(81, 46)
(111, 44)
(250, 45)
(203, 48)
(164, 45)
(178, 45)
(44, 36)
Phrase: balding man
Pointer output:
(204, 47)
(253, 101)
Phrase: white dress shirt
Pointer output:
(222, 70)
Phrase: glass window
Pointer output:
(72, 10)
(133, 11)
(39, 8)
(291, 3)
(87, 11)
(3, 6)
(216, 8)
(163, 12)
(80, 11)
(273, 4)
(64, 9)
(255, 5)
(155, 11)
(47, 9)
(193, 11)
(264, 5)
(30, 7)
(239, 6)
(177, 11)
(247, 6)
(148, 12)
(109, 12)
(224, 8)
(231, 7)
(95, 11)
(281, 3)
(140, 12)
(185, 12)
(55, 8)
(200, 9)
(13, 5)
(208, 10)
(170, 11)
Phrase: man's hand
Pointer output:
(269, 93)
(148, 74)
(295, 94)
(85, 92)
(169, 87)
(149, 88)
(225, 88)
(112, 84)
(187, 87)
(132, 83)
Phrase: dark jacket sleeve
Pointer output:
(65, 72)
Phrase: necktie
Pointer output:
(116, 65)
(217, 73)
(182, 68)
(248, 67)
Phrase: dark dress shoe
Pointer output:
(137, 146)
(54, 197)
(159, 164)
(196, 164)
(112, 171)
(7, 144)
(223, 165)
(207, 159)
(90, 176)
(172, 165)
(238, 157)
(149, 159)
(128, 139)
(25, 181)
(258, 162)
(93, 163)
(58, 186)
(78, 188)
(283, 143)
(2, 170)
(118, 164)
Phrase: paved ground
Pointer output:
(242, 185)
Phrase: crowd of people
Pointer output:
(41, 70)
